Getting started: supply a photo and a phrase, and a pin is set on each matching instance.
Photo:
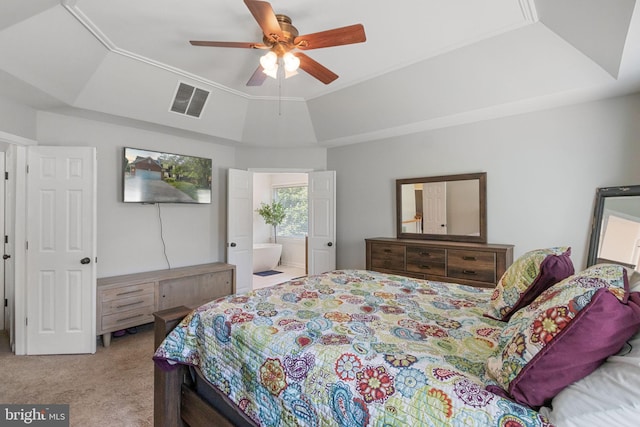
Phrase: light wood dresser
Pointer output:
(131, 299)
(476, 264)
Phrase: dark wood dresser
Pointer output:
(476, 264)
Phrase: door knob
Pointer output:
(5, 256)
(85, 260)
(232, 244)
(330, 244)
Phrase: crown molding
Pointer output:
(85, 21)
(529, 10)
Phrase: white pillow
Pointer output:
(610, 396)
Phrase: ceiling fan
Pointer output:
(281, 39)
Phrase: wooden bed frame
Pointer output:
(175, 400)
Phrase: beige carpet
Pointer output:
(113, 387)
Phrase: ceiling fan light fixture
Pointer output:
(271, 72)
(291, 62)
(269, 60)
(269, 63)
(279, 36)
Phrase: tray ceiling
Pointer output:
(425, 64)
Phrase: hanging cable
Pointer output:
(164, 246)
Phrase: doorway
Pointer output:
(290, 189)
(321, 236)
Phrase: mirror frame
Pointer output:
(596, 224)
(482, 184)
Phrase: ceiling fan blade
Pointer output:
(336, 37)
(257, 78)
(266, 18)
(316, 69)
(245, 45)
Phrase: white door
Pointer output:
(434, 210)
(240, 227)
(322, 226)
(5, 254)
(61, 250)
(15, 267)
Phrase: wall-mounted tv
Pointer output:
(155, 177)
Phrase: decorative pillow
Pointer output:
(606, 397)
(564, 335)
(527, 278)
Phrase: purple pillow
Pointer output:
(528, 277)
(564, 335)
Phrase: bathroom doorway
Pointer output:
(290, 189)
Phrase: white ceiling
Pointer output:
(425, 64)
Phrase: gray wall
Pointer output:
(543, 169)
(542, 172)
(17, 120)
(129, 238)
(282, 159)
(129, 234)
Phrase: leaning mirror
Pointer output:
(450, 207)
(615, 229)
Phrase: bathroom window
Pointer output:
(295, 201)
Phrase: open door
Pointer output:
(321, 250)
(240, 227)
(61, 250)
(322, 225)
(5, 254)
(15, 266)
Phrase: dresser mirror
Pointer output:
(615, 229)
(451, 207)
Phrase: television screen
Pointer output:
(155, 177)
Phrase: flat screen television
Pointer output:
(156, 177)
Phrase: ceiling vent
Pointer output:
(189, 100)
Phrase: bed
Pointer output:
(349, 348)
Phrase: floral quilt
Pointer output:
(351, 348)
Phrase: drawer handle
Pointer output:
(387, 250)
(129, 292)
(124, 319)
(130, 304)
(469, 272)
(469, 258)
(425, 254)
(425, 267)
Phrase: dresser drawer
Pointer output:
(427, 260)
(137, 300)
(390, 257)
(126, 319)
(471, 265)
(127, 291)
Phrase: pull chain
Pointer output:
(280, 73)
